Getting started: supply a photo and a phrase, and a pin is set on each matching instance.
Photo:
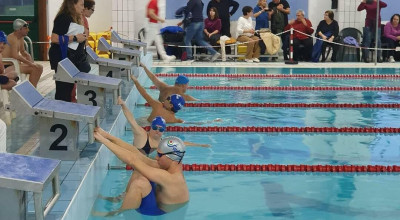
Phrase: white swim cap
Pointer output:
(19, 23)
(172, 147)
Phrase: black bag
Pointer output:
(173, 37)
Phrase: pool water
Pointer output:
(256, 195)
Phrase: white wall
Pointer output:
(316, 9)
(101, 19)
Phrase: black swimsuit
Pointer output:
(147, 148)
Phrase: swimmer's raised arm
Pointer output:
(137, 129)
(189, 98)
(121, 147)
(143, 92)
(158, 83)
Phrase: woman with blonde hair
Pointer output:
(68, 41)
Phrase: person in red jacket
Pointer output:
(303, 25)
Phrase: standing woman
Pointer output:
(212, 27)
(370, 25)
(68, 41)
(87, 12)
(262, 14)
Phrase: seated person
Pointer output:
(212, 27)
(328, 29)
(8, 77)
(262, 14)
(157, 186)
(304, 25)
(180, 87)
(246, 32)
(15, 49)
(165, 109)
(392, 35)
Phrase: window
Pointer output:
(17, 8)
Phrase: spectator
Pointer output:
(304, 25)
(328, 29)
(370, 25)
(223, 7)
(15, 49)
(7, 76)
(87, 12)
(212, 27)
(279, 19)
(71, 46)
(262, 13)
(194, 30)
(392, 35)
(152, 30)
(246, 32)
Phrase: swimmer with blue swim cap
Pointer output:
(180, 86)
(156, 186)
(166, 109)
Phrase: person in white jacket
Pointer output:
(246, 32)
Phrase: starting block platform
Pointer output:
(130, 44)
(59, 127)
(110, 67)
(119, 53)
(21, 174)
(91, 89)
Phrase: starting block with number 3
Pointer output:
(59, 127)
(91, 89)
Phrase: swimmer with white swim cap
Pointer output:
(159, 186)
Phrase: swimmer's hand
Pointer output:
(205, 145)
(142, 65)
(120, 101)
(133, 77)
(218, 120)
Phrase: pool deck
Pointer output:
(23, 137)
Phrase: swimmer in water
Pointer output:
(165, 109)
(159, 186)
(180, 87)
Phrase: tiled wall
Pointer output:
(348, 16)
(128, 17)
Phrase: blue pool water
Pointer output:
(239, 195)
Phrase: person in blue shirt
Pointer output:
(262, 15)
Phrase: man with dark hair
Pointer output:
(279, 19)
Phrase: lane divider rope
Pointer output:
(273, 76)
(292, 88)
(289, 168)
(289, 105)
(383, 130)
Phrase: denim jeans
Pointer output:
(367, 40)
(195, 30)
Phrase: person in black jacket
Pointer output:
(328, 29)
(223, 7)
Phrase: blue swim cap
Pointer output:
(181, 80)
(177, 102)
(3, 37)
(159, 121)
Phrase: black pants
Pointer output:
(391, 44)
(213, 39)
(64, 90)
(226, 30)
(302, 49)
(334, 51)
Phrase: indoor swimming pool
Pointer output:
(280, 195)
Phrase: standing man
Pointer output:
(223, 7)
(152, 32)
(279, 20)
(15, 49)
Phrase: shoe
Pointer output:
(188, 61)
(391, 59)
(169, 58)
(248, 60)
(256, 60)
(215, 56)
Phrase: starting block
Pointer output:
(59, 127)
(129, 44)
(110, 67)
(21, 174)
(119, 53)
(91, 89)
